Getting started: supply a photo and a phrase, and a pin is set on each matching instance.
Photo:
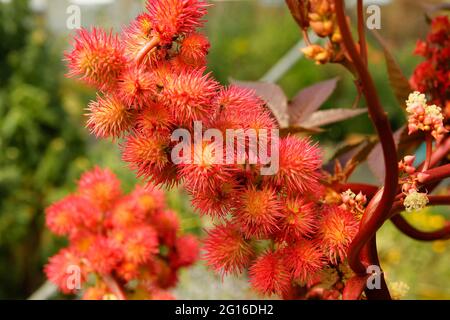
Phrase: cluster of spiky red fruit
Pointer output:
(432, 76)
(131, 241)
(155, 83)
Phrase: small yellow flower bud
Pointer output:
(415, 201)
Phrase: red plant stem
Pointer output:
(306, 37)
(412, 232)
(439, 153)
(369, 254)
(357, 284)
(146, 49)
(354, 287)
(114, 286)
(383, 204)
(361, 32)
(429, 152)
(435, 174)
(433, 201)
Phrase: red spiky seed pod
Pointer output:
(206, 170)
(101, 187)
(103, 256)
(136, 36)
(299, 166)
(216, 202)
(171, 18)
(128, 270)
(298, 219)
(258, 211)
(97, 58)
(305, 259)
(269, 274)
(189, 95)
(146, 153)
(185, 251)
(154, 117)
(194, 49)
(109, 117)
(136, 87)
(124, 213)
(226, 250)
(336, 230)
(62, 267)
(167, 224)
(140, 244)
(148, 200)
(70, 213)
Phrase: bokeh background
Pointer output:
(44, 146)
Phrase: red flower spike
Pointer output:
(226, 250)
(97, 58)
(109, 117)
(269, 274)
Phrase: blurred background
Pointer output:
(44, 146)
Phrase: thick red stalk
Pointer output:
(435, 174)
(361, 31)
(441, 151)
(429, 152)
(412, 232)
(380, 206)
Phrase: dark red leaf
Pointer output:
(274, 97)
(325, 117)
(309, 100)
